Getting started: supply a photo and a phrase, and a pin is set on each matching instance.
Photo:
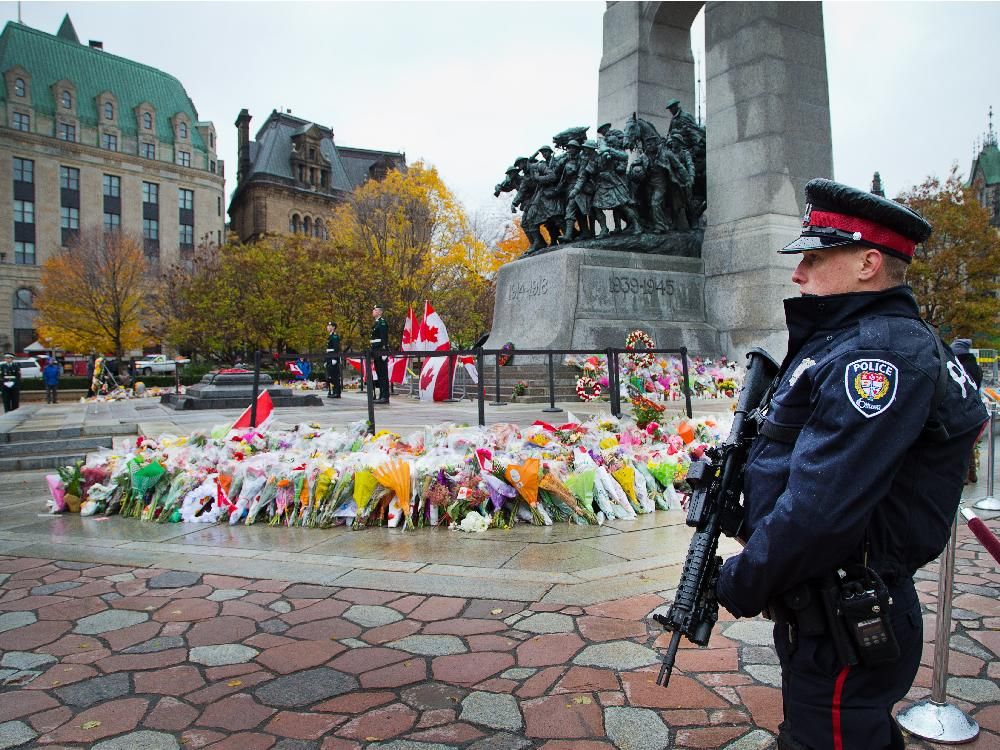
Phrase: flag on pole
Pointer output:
(411, 330)
(397, 370)
(469, 363)
(264, 408)
(438, 372)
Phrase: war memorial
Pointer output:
(298, 586)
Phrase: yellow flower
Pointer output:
(609, 442)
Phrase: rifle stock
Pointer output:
(714, 509)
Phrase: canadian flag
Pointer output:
(264, 408)
(397, 370)
(411, 331)
(438, 372)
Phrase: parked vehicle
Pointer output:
(158, 364)
(29, 367)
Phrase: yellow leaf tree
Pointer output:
(91, 297)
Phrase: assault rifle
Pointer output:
(714, 508)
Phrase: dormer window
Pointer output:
(182, 130)
(19, 87)
(67, 100)
(109, 111)
(312, 154)
(147, 121)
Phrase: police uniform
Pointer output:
(333, 375)
(861, 458)
(10, 384)
(379, 340)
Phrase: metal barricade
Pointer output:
(990, 502)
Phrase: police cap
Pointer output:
(838, 215)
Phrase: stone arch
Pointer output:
(294, 222)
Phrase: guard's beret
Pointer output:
(838, 215)
(672, 103)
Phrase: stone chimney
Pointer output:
(243, 146)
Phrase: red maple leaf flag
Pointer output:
(264, 408)
(411, 331)
(397, 370)
(436, 377)
(433, 335)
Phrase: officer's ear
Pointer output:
(870, 264)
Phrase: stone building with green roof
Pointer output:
(985, 175)
(292, 176)
(91, 140)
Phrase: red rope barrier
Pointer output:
(986, 537)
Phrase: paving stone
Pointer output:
(610, 629)
(768, 674)
(501, 741)
(758, 739)
(544, 650)
(518, 673)
(282, 607)
(101, 721)
(547, 622)
(234, 714)
(468, 669)
(430, 645)
(121, 577)
(493, 710)
(758, 655)
(308, 591)
(89, 692)
(438, 608)
(974, 690)
(141, 740)
(406, 672)
(14, 733)
(5, 673)
(966, 646)
(174, 579)
(104, 622)
(297, 745)
(18, 660)
(752, 632)
(620, 655)
(353, 643)
(224, 595)
(223, 629)
(636, 729)
(69, 565)
(409, 745)
(563, 717)
(222, 654)
(298, 655)
(587, 680)
(380, 723)
(20, 677)
(374, 657)
(372, 616)
(431, 696)
(302, 725)
(153, 645)
(305, 688)
(13, 620)
(171, 715)
(55, 588)
(171, 681)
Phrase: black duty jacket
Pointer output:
(849, 464)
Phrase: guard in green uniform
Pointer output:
(10, 382)
(334, 384)
(379, 341)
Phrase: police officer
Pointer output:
(856, 475)
(10, 382)
(379, 340)
(333, 376)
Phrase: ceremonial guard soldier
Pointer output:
(10, 382)
(379, 341)
(334, 384)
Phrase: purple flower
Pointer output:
(499, 491)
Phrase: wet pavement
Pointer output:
(123, 634)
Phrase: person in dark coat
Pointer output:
(963, 350)
(855, 477)
(333, 375)
(10, 382)
(50, 376)
(379, 341)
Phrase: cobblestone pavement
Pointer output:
(113, 657)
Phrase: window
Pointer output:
(67, 100)
(150, 192)
(147, 121)
(151, 229)
(211, 140)
(69, 178)
(21, 122)
(19, 87)
(24, 212)
(147, 150)
(66, 132)
(109, 111)
(307, 225)
(109, 141)
(187, 235)
(24, 300)
(211, 167)
(112, 222)
(24, 253)
(218, 205)
(185, 198)
(184, 158)
(112, 186)
(24, 170)
(293, 225)
(69, 217)
(182, 130)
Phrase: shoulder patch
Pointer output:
(871, 385)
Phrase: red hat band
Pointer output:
(869, 231)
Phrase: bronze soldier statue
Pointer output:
(612, 189)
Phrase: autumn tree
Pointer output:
(92, 294)
(954, 273)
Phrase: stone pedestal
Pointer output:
(587, 298)
(235, 391)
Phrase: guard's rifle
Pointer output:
(714, 508)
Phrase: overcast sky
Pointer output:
(468, 86)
